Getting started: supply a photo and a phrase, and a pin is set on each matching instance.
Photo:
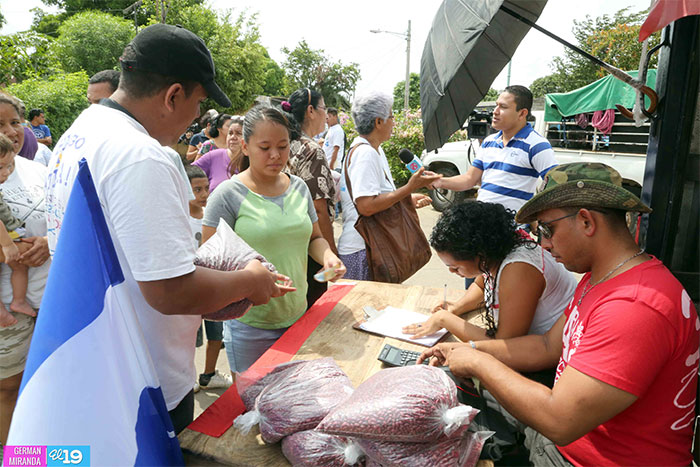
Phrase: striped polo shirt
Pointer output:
(511, 172)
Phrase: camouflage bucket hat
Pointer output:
(584, 185)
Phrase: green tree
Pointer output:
(46, 23)
(612, 39)
(275, 83)
(25, 55)
(413, 92)
(61, 97)
(240, 59)
(548, 84)
(491, 95)
(309, 68)
(2, 19)
(92, 41)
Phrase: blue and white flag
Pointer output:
(89, 379)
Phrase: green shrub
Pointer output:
(408, 133)
(61, 97)
(92, 41)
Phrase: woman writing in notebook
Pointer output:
(521, 287)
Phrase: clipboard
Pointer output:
(389, 321)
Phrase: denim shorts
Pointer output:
(245, 344)
(215, 331)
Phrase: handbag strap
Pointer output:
(346, 165)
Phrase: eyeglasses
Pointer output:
(544, 229)
(322, 107)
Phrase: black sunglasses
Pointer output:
(544, 229)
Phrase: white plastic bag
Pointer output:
(226, 251)
(313, 448)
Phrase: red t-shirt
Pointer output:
(638, 332)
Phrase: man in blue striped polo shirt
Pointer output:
(510, 162)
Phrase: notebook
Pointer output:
(391, 320)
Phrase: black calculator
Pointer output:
(394, 356)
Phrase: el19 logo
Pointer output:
(67, 455)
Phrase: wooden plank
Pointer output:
(355, 352)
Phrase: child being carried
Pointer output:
(11, 230)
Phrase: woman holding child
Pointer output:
(274, 213)
(22, 186)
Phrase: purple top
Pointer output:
(215, 165)
(30, 146)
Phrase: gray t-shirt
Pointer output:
(225, 203)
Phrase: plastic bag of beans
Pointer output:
(226, 251)
(297, 401)
(460, 451)
(313, 448)
(416, 403)
(252, 381)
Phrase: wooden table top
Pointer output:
(354, 351)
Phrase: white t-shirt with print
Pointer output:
(334, 137)
(369, 175)
(196, 227)
(23, 191)
(145, 203)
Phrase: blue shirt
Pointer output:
(41, 131)
(511, 171)
(198, 138)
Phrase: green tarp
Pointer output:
(599, 95)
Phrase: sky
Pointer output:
(342, 30)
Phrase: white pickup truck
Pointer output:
(454, 158)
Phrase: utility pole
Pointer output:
(508, 76)
(407, 36)
(132, 9)
(408, 67)
(162, 11)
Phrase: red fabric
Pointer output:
(664, 12)
(219, 416)
(603, 120)
(638, 332)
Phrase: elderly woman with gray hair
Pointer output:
(372, 185)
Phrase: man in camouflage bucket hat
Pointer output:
(625, 349)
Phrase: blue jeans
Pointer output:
(245, 344)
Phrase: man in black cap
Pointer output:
(167, 72)
(626, 347)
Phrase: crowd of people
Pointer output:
(603, 372)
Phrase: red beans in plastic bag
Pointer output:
(226, 251)
(415, 403)
(298, 401)
(313, 448)
(461, 451)
(250, 383)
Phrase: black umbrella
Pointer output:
(469, 44)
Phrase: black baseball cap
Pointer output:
(174, 51)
